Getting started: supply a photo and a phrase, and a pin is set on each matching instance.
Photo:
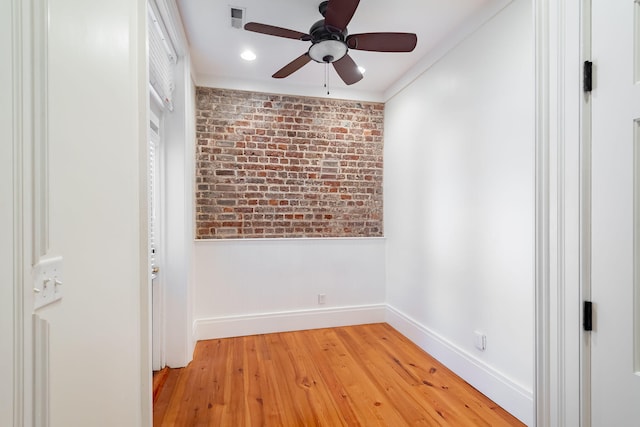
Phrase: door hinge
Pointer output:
(587, 76)
(587, 316)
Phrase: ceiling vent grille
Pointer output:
(237, 17)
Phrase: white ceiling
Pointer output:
(215, 46)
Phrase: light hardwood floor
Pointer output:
(368, 375)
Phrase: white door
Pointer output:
(157, 356)
(615, 286)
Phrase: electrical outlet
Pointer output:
(47, 282)
(322, 298)
(480, 340)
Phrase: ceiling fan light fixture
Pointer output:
(248, 55)
(328, 51)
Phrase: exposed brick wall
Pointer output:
(285, 166)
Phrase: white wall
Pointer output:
(99, 355)
(459, 208)
(265, 285)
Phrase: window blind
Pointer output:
(162, 58)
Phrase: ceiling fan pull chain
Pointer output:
(326, 76)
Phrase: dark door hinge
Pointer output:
(587, 316)
(587, 76)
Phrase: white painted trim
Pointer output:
(542, 379)
(636, 246)
(294, 320)
(41, 371)
(19, 387)
(510, 395)
(23, 146)
(40, 233)
(562, 213)
(139, 53)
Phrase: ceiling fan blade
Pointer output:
(293, 66)
(275, 31)
(347, 70)
(383, 42)
(340, 12)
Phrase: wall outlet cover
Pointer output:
(480, 340)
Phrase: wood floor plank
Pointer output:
(370, 402)
(253, 401)
(309, 380)
(338, 397)
(159, 378)
(368, 375)
(397, 382)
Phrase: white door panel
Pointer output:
(157, 356)
(615, 383)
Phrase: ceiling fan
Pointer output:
(330, 41)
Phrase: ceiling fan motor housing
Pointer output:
(328, 44)
(322, 7)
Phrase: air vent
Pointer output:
(237, 17)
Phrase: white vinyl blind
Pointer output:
(154, 138)
(162, 58)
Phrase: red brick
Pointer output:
(259, 158)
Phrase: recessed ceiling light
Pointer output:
(247, 55)
(361, 69)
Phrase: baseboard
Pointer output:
(509, 395)
(264, 323)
